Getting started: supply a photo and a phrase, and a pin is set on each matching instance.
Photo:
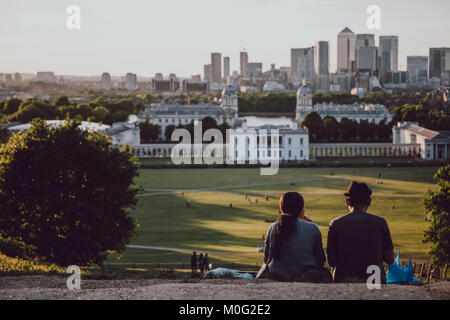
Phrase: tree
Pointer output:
(437, 203)
(62, 101)
(315, 125)
(149, 132)
(169, 130)
(100, 114)
(64, 192)
(11, 106)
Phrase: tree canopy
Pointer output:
(437, 203)
(65, 192)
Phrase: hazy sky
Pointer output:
(149, 36)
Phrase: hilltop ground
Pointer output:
(54, 287)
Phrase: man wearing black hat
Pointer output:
(358, 239)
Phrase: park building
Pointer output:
(372, 113)
(268, 142)
(165, 114)
(433, 145)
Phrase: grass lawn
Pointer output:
(210, 224)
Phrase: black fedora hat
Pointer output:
(358, 190)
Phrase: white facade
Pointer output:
(434, 145)
(176, 114)
(259, 144)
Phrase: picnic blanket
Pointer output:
(227, 273)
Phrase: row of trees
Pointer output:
(99, 110)
(329, 130)
(150, 132)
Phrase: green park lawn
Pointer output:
(210, 224)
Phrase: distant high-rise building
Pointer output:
(388, 52)
(226, 67)
(244, 64)
(367, 58)
(8, 78)
(364, 41)
(45, 76)
(216, 67)
(255, 69)
(417, 70)
(105, 81)
(321, 58)
(302, 65)
(196, 77)
(439, 62)
(17, 78)
(131, 81)
(346, 54)
(207, 73)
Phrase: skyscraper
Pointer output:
(207, 74)
(439, 61)
(388, 53)
(226, 67)
(216, 67)
(346, 44)
(302, 65)
(321, 56)
(417, 72)
(367, 58)
(364, 40)
(130, 81)
(244, 64)
(105, 81)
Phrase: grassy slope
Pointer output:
(210, 223)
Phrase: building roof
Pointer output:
(427, 133)
(85, 125)
(346, 30)
(167, 109)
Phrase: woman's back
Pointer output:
(303, 248)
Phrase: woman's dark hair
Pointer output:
(291, 205)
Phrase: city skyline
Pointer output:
(35, 36)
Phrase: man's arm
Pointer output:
(331, 244)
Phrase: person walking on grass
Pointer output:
(201, 263)
(292, 244)
(206, 262)
(358, 239)
(194, 262)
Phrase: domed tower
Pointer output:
(230, 100)
(304, 101)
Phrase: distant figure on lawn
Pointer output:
(201, 263)
(292, 244)
(358, 239)
(188, 204)
(194, 262)
(206, 262)
(231, 204)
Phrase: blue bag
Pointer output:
(398, 274)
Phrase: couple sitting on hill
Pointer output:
(293, 246)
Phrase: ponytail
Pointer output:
(291, 205)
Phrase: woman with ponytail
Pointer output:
(292, 244)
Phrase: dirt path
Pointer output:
(54, 287)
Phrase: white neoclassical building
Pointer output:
(268, 142)
(371, 112)
(434, 145)
(165, 114)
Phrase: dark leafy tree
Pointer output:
(64, 192)
(437, 203)
(149, 132)
(62, 101)
(11, 106)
